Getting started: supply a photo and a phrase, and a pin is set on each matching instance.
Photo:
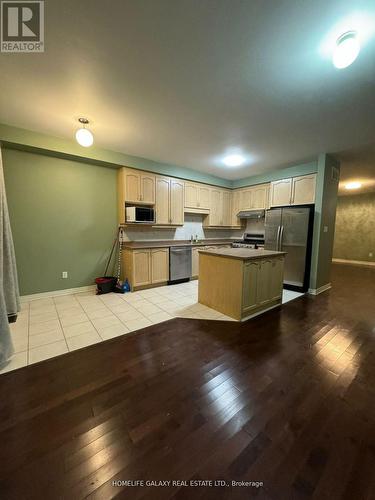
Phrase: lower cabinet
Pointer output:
(147, 266)
(159, 265)
(262, 283)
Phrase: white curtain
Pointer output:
(9, 293)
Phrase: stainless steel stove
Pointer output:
(250, 240)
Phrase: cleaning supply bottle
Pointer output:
(126, 286)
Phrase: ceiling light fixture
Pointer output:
(233, 160)
(346, 50)
(353, 185)
(83, 135)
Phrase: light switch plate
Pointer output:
(325, 229)
(64, 274)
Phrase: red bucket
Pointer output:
(105, 284)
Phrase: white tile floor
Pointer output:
(52, 326)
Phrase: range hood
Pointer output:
(251, 214)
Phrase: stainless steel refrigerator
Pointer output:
(290, 230)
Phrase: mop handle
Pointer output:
(110, 256)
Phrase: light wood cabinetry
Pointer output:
(226, 218)
(162, 208)
(144, 267)
(303, 189)
(195, 256)
(197, 196)
(245, 199)
(169, 201)
(240, 288)
(259, 197)
(134, 187)
(250, 286)
(281, 192)
(132, 183)
(147, 191)
(235, 221)
(177, 201)
(172, 197)
(220, 208)
(159, 265)
(141, 268)
(216, 207)
(293, 191)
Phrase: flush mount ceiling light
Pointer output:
(353, 185)
(83, 135)
(234, 160)
(346, 50)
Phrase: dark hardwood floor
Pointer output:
(287, 399)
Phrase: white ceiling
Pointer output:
(185, 81)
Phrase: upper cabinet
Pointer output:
(220, 213)
(303, 190)
(169, 201)
(139, 186)
(134, 186)
(293, 191)
(253, 197)
(147, 191)
(259, 197)
(281, 192)
(197, 196)
(235, 221)
(172, 197)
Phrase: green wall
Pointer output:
(63, 217)
(18, 138)
(324, 217)
(355, 228)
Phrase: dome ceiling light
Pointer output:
(234, 160)
(83, 136)
(346, 50)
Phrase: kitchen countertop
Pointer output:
(173, 243)
(242, 253)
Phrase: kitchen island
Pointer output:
(240, 282)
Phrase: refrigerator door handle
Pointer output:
(278, 238)
(281, 238)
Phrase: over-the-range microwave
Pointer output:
(140, 214)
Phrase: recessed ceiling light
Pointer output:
(83, 135)
(353, 185)
(346, 50)
(233, 160)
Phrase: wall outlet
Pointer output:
(325, 229)
(370, 254)
(64, 274)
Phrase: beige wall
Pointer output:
(355, 227)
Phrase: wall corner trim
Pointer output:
(321, 289)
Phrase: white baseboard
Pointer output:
(317, 291)
(363, 263)
(56, 293)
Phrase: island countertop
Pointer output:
(243, 253)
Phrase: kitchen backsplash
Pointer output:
(193, 226)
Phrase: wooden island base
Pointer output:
(240, 282)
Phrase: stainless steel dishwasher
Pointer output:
(179, 264)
